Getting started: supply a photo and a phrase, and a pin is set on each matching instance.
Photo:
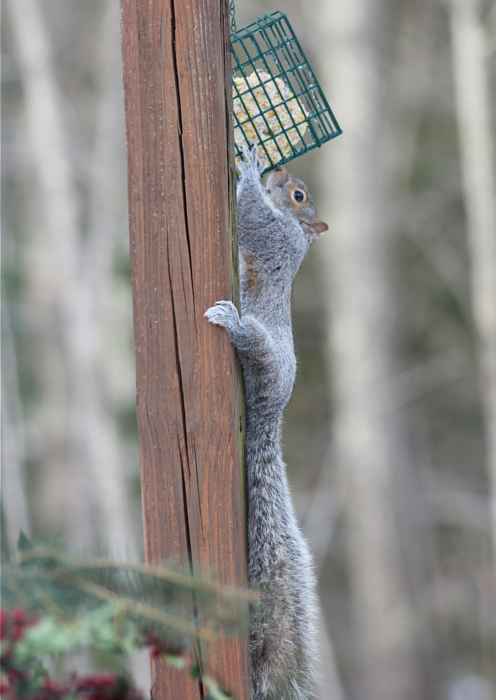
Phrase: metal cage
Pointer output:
(278, 102)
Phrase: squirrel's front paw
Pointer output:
(224, 313)
(251, 164)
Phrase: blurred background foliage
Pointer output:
(390, 434)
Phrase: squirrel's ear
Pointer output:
(315, 226)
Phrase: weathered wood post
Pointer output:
(177, 81)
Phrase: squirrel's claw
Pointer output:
(250, 154)
(251, 161)
(224, 313)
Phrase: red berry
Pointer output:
(151, 639)
(52, 685)
(19, 616)
(13, 676)
(100, 682)
(3, 623)
(17, 633)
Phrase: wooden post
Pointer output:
(178, 102)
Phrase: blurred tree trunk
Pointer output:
(77, 428)
(15, 516)
(475, 122)
(328, 685)
(50, 262)
(369, 447)
(95, 430)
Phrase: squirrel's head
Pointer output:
(287, 191)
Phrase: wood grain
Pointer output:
(177, 80)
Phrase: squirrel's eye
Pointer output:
(299, 196)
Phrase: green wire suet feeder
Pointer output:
(278, 103)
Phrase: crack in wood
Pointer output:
(185, 506)
(199, 490)
(179, 370)
(180, 142)
(187, 524)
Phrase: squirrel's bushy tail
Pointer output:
(283, 646)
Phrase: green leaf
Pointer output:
(178, 662)
(195, 672)
(38, 671)
(214, 692)
(47, 637)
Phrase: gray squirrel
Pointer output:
(276, 226)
